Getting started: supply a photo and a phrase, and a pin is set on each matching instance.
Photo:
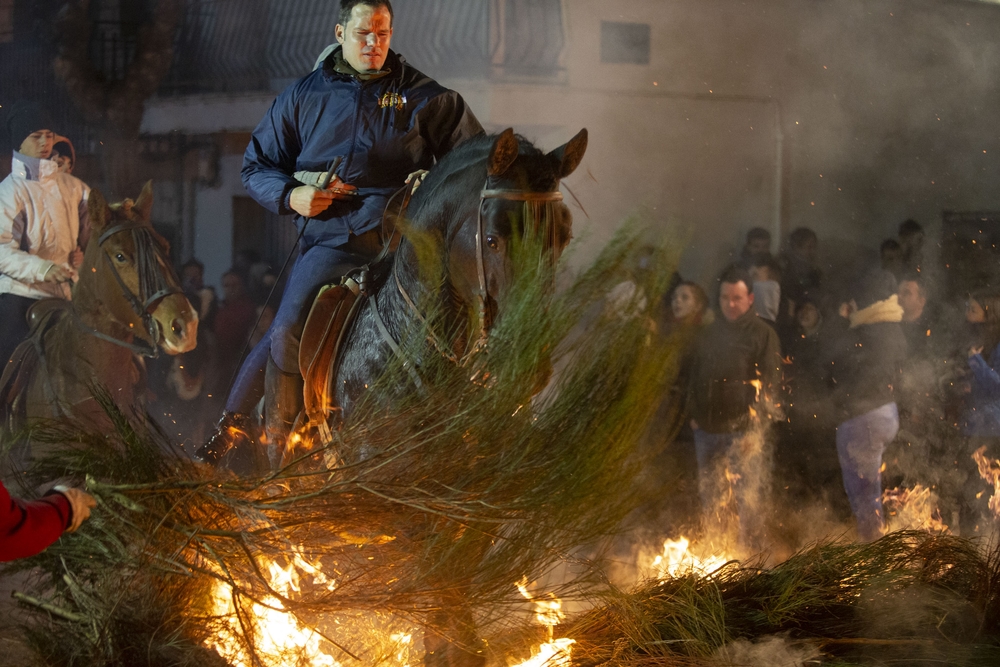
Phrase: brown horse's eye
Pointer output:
(120, 257)
(492, 242)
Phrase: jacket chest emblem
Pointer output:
(392, 101)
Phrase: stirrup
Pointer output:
(233, 430)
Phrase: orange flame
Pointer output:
(678, 560)
(282, 639)
(549, 613)
(989, 470)
(913, 509)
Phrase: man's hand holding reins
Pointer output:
(309, 201)
(416, 178)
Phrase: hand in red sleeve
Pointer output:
(27, 528)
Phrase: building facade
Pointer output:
(706, 117)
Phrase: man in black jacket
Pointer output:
(386, 121)
(866, 372)
(735, 379)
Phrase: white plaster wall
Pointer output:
(205, 114)
(213, 240)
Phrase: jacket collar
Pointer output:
(740, 321)
(335, 66)
(32, 168)
(888, 310)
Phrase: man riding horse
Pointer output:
(332, 149)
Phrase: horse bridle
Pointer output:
(526, 196)
(153, 285)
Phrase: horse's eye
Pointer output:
(492, 242)
(120, 257)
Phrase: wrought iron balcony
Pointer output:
(260, 45)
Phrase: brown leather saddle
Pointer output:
(329, 322)
(333, 313)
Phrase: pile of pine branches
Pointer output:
(427, 507)
(909, 598)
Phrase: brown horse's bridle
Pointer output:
(536, 200)
(153, 285)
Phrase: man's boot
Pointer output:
(282, 404)
(234, 430)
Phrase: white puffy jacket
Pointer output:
(43, 217)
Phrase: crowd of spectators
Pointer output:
(832, 391)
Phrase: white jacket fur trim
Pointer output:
(43, 217)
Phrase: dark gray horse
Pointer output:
(468, 201)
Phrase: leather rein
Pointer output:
(153, 285)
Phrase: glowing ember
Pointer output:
(912, 509)
(989, 470)
(548, 612)
(280, 639)
(678, 560)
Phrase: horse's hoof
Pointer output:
(233, 430)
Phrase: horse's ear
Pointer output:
(503, 153)
(143, 206)
(569, 155)
(97, 209)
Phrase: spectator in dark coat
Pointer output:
(799, 274)
(735, 375)
(689, 315)
(757, 246)
(801, 279)
(806, 460)
(866, 368)
(917, 325)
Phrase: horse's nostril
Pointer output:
(178, 328)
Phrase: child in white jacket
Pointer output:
(43, 225)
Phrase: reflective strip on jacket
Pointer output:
(384, 128)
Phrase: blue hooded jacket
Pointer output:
(385, 128)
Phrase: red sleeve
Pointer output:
(27, 528)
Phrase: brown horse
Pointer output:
(128, 304)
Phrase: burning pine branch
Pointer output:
(414, 518)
